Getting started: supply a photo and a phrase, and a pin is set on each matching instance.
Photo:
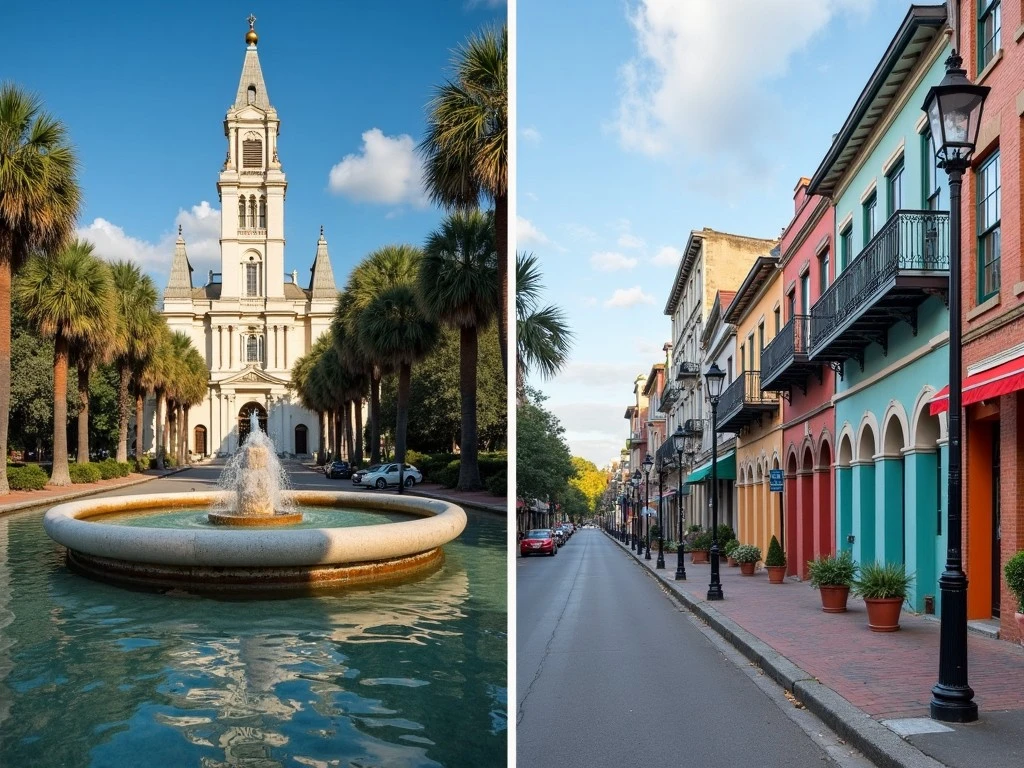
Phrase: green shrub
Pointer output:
(108, 469)
(448, 476)
(832, 570)
(725, 532)
(28, 477)
(878, 581)
(415, 458)
(142, 462)
(776, 556)
(169, 462)
(702, 541)
(124, 468)
(730, 545)
(1014, 572)
(746, 553)
(84, 473)
(497, 484)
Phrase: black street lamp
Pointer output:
(679, 443)
(661, 523)
(648, 463)
(954, 113)
(635, 483)
(714, 378)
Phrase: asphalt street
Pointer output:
(611, 672)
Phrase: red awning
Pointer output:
(1001, 380)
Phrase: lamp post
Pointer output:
(714, 378)
(679, 443)
(635, 483)
(954, 109)
(661, 523)
(648, 463)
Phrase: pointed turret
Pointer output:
(321, 283)
(179, 286)
(251, 88)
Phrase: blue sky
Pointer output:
(642, 120)
(143, 89)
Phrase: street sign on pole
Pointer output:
(775, 480)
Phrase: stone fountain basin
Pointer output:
(247, 557)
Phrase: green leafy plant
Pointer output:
(832, 570)
(1014, 572)
(497, 484)
(30, 477)
(746, 553)
(85, 473)
(655, 531)
(730, 546)
(776, 557)
(879, 581)
(696, 528)
(702, 541)
(725, 532)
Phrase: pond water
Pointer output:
(406, 675)
(312, 517)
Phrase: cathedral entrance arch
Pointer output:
(301, 440)
(199, 441)
(245, 414)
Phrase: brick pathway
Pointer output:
(17, 500)
(887, 675)
(478, 499)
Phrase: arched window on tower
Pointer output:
(252, 211)
(252, 153)
(252, 351)
(241, 212)
(251, 95)
(263, 212)
(252, 278)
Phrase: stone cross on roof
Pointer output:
(252, 21)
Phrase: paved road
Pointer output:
(591, 629)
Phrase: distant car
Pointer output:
(387, 474)
(358, 474)
(339, 470)
(538, 542)
(560, 536)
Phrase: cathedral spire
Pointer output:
(179, 285)
(251, 88)
(321, 283)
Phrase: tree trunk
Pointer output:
(469, 466)
(159, 446)
(83, 413)
(331, 436)
(360, 440)
(123, 382)
(140, 411)
(375, 417)
(350, 437)
(185, 456)
(401, 427)
(60, 474)
(322, 447)
(5, 364)
(181, 429)
(501, 227)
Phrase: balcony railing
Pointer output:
(687, 371)
(695, 425)
(637, 438)
(669, 397)
(907, 261)
(743, 402)
(666, 454)
(784, 361)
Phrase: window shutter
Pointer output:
(252, 153)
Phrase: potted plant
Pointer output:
(699, 547)
(1014, 572)
(833, 575)
(747, 556)
(884, 588)
(729, 548)
(775, 562)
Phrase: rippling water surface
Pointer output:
(312, 517)
(408, 675)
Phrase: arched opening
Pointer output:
(805, 532)
(925, 498)
(252, 211)
(241, 212)
(263, 212)
(844, 494)
(199, 440)
(890, 474)
(245, 414)
(301, 440)
(824, 519)
(793, 510)
(864, 498)
(250, 95)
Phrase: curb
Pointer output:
(496, 509)
(54, 500)
(876, 742)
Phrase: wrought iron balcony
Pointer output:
(900, 267)
(637, 438)
(784, 362)
(666, 455)
(669, 397)
(743, 403)
(688, 371)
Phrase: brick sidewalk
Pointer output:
(19, 500)
(477, 499)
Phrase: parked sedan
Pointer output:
(358, 474)
(538, 542)
(387, 474)
(339, 469)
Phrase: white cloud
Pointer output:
(531, 134)
(629, 297)
(629, 240)
(387, 170)
(200, 228)
(712, 54)
(581, 232)
(527, 233)
(610, 261)
(667, 256)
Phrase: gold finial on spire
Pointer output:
(251, 37)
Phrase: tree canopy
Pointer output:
(543, 462)
(589, 480)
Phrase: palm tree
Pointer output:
(395, 330)
(67, 295)
(39, 202)
(138, 320)
(458, 286)
(98, 346)
(466, 146)
(155, 377)
(543, 338)
(190, 391)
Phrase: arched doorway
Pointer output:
(301, 439)
(243, 419)
(199, 440)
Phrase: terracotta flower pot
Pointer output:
(747, 569)
(884, 613)
(699, 556)
(1020, 625)
(776, 573)
(833, 598)
(732, 561)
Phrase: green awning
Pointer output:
(726, 470)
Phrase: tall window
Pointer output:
(778, 320)
(805, 293)
(988, 215)
(252, 211)
(728, 368)
(263, 212)
(252, 153)
(252, 349)
(760, 343)
(791, 299)
(894, 189)
(252, 280)
(870, 217)
(989, 25)
(743, 358)
(750, 351)
(823, 262)
(930, 163)
(845, 247)
(241, 212)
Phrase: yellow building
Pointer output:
(755, 416)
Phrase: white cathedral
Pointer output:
(251, 321)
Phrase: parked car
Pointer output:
(358, 474)
(560, 536)
(387, 474)
(339, 470)
(540, 541)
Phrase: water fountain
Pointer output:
(254, 534)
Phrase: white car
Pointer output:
(387, 474)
